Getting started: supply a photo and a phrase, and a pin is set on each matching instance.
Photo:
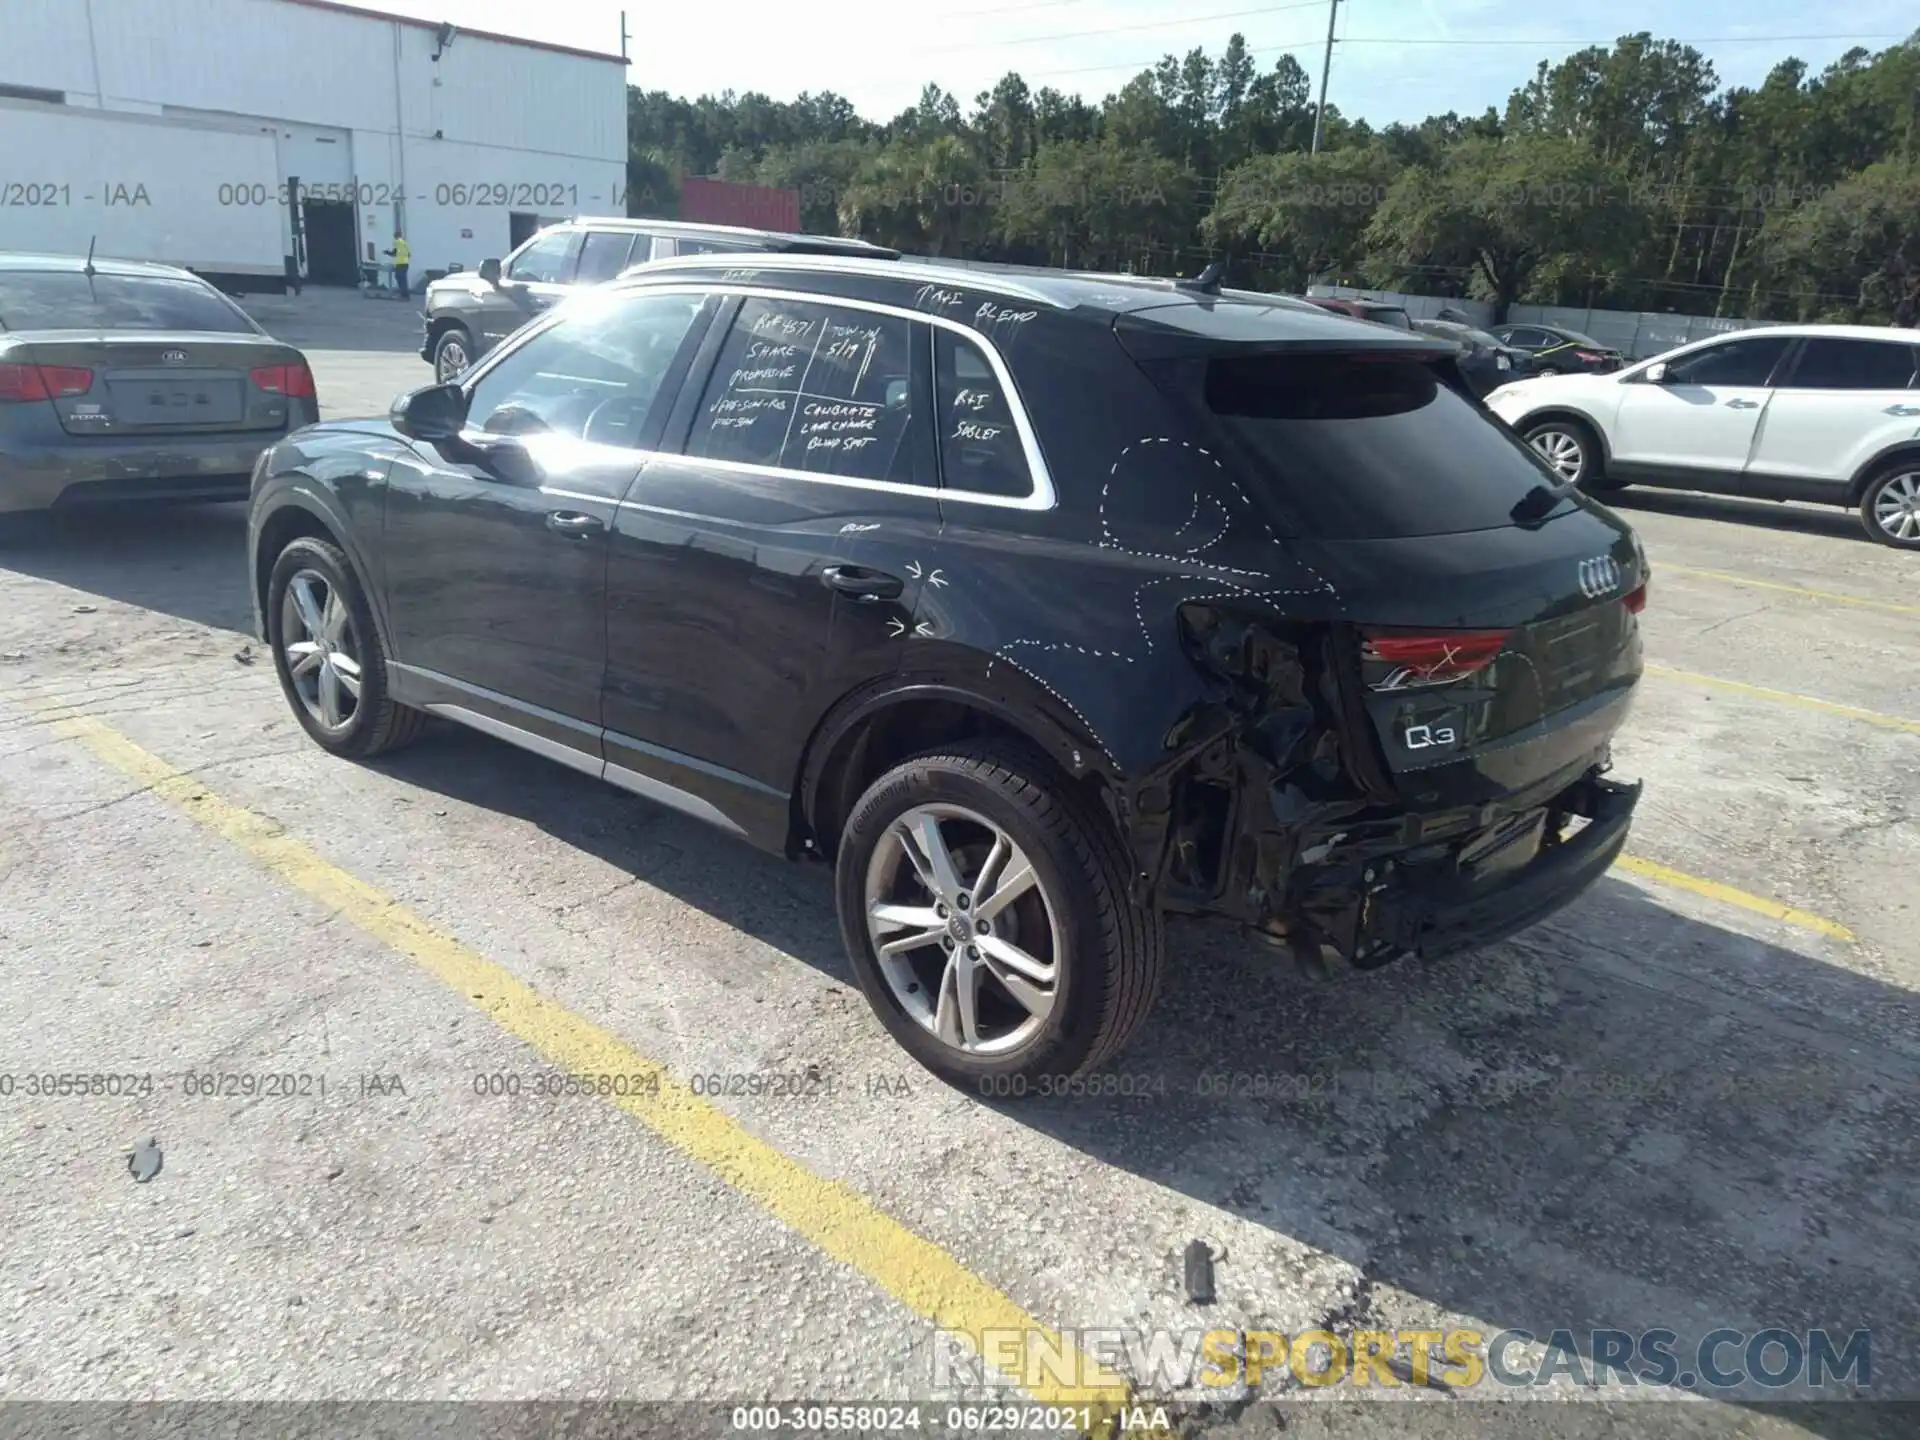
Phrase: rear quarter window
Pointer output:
(69, 300)
(1352, 448)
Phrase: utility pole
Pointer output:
(624, 36)
(1326, 65)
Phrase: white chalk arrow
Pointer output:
(937, 579)
(896, 626)
(924, 630)
(913, 568)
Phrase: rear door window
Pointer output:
(1828, 364)
(603, 255)
(823, 389)
(68, 300)
(1362, 448)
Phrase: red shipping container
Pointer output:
(721, 202)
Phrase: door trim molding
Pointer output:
(671, 796)
(591, 761)
(537, 744)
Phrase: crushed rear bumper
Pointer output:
(1460, 913)
(1380, 902)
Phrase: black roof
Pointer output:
(1148, 303)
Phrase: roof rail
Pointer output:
(905, 268)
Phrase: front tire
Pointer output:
(1572, 451)
(452, 354)
(986, 910)
(326, 651)
(1890, 507)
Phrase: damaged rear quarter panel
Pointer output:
(1153, 614)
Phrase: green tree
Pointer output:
(1494, 212)
(1853, 254)
(1005, 123)
(928, 196)
(1307, 213)
(1098, 205)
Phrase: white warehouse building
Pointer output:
(243, 137)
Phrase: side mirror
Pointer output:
(490, 271)
(1656, 374)
(433, 414)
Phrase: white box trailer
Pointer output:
(143, 187)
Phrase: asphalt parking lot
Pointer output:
(1689, 1102)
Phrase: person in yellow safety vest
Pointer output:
(401, 253)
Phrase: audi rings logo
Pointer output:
(1599, 576)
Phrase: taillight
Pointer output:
(1400, 661)
(1637, 601)
(294, 379)
(43, 382)
(1592, 357)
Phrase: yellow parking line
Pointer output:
(1787, 697)
(1727, 895)
(915, 1271)
(1832, 597)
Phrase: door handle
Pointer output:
(573, 523)
(866, 586)
(1903, 410)
(1743, 404)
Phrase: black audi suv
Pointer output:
(1038, 607)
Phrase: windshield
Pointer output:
(68, 300)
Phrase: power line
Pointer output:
(1009, 9)
(1116, 29)
(1553, 40)
(1138, 65)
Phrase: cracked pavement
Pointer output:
(1657, 1110)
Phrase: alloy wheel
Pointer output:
(1896, 509)
(322, 649)
(965, 933)
(1560, 450)
(450, 359)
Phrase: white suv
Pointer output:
(1828, 413)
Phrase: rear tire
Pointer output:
(332, 668)
(1890, 506)
(1100, 951)
(1547, 370)
(1573, 451)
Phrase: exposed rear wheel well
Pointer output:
(282, 528)
(898, 732)
(1899, 455)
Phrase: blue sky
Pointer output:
(1395, 60)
